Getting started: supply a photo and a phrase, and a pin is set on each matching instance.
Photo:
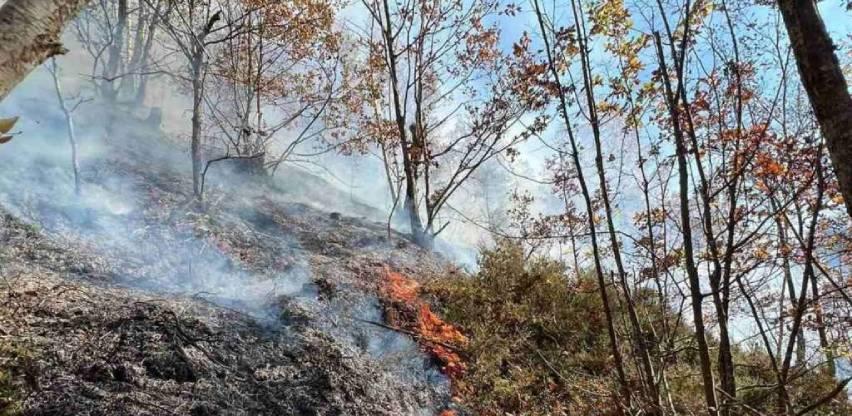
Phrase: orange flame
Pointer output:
(438, 337)
(400, 288)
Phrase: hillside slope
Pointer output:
(131, 299)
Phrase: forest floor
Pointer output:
(131, 299)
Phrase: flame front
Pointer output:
(439, 338)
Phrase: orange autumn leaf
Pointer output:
(767, 166)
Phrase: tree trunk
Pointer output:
(418, 233)
(135, 48)
(725, 358)
(29, 34)
(824, 343)
(639, 340)
(197, 96)
(807, 273)
(563, 110)
(111, 71)
(69, 124)
(691, 269)
(421, 236)
(823, 80)
(146, 52)
(788, 282)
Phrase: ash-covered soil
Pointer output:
(132, 299)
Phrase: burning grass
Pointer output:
(407, 311)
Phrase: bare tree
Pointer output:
(193, 28)
(434, 59)
(67, 112)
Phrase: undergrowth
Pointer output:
(538, 345)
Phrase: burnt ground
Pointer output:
(132, 300)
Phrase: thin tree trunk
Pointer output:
(722, 291)
(691, 269)
(146, 52)
(136, 54)
(725, 357)
(808, 273)
(197, 63)
(197, 97)
(646, 366)
(824, 343)
(410, 202)
(825, 84)
(30, 33)
(69, 125)
(783, 402)
(111, 71)
(563, 107)
(788, 282)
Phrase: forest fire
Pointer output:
(408, 312)
(390, 208)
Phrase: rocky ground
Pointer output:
(131, 299)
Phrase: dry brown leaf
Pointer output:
(6, 124)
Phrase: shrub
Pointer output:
(537, 340)
(538, 345)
